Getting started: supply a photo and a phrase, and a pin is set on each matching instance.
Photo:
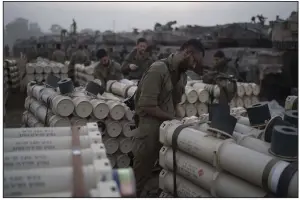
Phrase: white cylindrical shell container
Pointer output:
(64, 69)
(226, 155)
(239, 102)
(116, 110)
(50, 159)
(191, 94)
(203, 95)
(248, 89)
(255, 89)
(39, 180)
(190, 110)
(123, 160)
(83, 107)
(63, 105)
(247, 101)
(201, 108)
(184, 188)
(49, 143)
(221, 184)
(47, 131)
(57, 121)
(125, 144)
(127, 128)
(100, 109)
(111, 145)
(77, 121)
(240, 90)
(113, 128)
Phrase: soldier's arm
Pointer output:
(150, 91)
(119, 74)
(127, 61)
(98, 75)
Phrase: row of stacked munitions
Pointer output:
(40, 69)
(256, 156)
(61, 162)
(11, 74)
(60, 107)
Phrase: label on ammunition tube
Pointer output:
(26, 161)
(33, 145)
(21, 183)
(36, 132)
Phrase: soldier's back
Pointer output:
(58, 56)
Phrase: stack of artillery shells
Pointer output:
(39, 70)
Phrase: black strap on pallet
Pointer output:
(174, 147)
(285, 178)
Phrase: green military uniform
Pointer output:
(59, 56)
(78, 57)
(220, 69)
(142, 62)
(162, 85)
(106, 73)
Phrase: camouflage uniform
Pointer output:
(220, 69)
(111, 72)
(59, 56)
(79, 57)
(162, 85)
(142, 63)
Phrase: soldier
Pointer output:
(158, 92)
(220, 67)
(78, 57)
(107, 69)
(137, 61)
(59, 55)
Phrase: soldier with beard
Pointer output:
(107, 69)
(158, 92)
(137, 61)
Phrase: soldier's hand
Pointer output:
(133, 67)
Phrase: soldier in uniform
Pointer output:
(137, 61)
(107, 69)
(78, 57)
(59, 55)
(158, 92)
(220, 67)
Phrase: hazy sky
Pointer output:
(142, 15)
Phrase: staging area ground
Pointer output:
(15, 109)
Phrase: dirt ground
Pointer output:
(14, 109)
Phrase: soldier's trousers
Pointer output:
(146, 152)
